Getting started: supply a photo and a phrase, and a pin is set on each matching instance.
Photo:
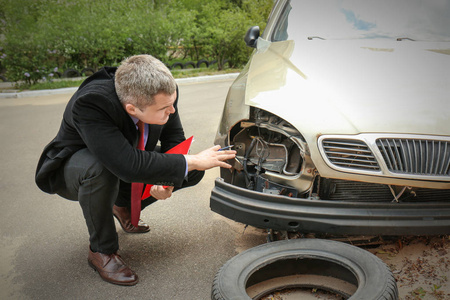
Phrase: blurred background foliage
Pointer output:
(41, 38)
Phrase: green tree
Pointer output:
(221, 25)
(40, 35)
(24, 56)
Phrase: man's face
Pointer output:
(158, 113)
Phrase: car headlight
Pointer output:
(272, 156)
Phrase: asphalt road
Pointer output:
(44, 240)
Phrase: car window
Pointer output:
(422, 20)
(280, 33)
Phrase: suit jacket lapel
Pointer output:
(154, 134)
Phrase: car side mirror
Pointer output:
(251, 37)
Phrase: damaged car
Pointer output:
(341, 120)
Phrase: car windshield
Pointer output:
(418, 20)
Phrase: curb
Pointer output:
(72, 90)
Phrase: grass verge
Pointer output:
(68, 82)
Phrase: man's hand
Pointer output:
(210, 158)
(161, 193)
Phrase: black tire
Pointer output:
(189, 63)
(307, 263)
(70, 73)
(87, 71)
(214, 61)
(3, 78)
(176, 65)
(202, 62)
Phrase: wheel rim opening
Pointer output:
(302, 276)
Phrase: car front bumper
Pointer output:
(332, 217)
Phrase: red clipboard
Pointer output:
(181, 148)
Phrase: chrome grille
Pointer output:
(354, 154)
(418, 157)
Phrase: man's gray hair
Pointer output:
(141, 77)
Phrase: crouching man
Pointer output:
(106, 142)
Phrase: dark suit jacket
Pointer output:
(95, 118)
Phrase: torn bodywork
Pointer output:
(272, 157)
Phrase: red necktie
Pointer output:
(136, 187)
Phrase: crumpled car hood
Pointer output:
(353, 86)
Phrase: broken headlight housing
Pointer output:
(272, 157)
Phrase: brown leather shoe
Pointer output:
(112, 268)
(123, 215)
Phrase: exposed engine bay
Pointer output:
(274, 158)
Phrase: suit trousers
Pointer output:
(97, 190)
